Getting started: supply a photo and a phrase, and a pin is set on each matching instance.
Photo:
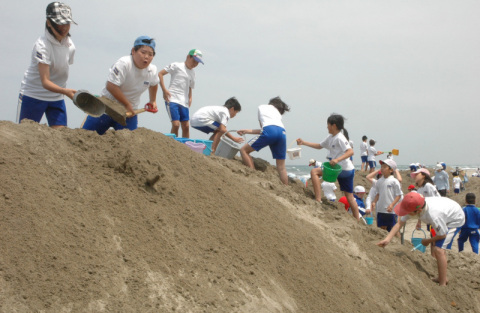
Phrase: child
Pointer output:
(444, 214)
(389, 193)
(214, 119)
(457, 183)
(372, 152)
(314, 163)
(129, 77)
(469, 231)
(178, 96)
(441, 180)
(358, 194)
(45, 81)
(340, 151)
(329, 190)
(272, 134)
(364, 153)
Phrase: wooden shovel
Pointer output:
(88, 103)
(118, 112)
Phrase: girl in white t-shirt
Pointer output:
(340, 151)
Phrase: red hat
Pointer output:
(345, 202)
(411, 187)
(411, 202)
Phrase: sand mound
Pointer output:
(136, 222)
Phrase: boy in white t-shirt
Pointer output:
(178, 96)
(457, 183)
(372, 153)
(364, 153)
(214, 119)
(446, 217)
(272, 134)
(389, 193)
(128, 79)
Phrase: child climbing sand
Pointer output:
(340, 151)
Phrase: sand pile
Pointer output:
(137, 222)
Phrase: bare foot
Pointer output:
(435, 280)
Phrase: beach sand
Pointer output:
(137, 222)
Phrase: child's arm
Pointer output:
(120, 96)
(300, 142)
(371, 176)
(344, 156)
(152, 93)
(242, 132)
(44, 71)
(190, 97)
(166, 93)
(391, 234)
(394, 202)
(398, 176)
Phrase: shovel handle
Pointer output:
(148, 107)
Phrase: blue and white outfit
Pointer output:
(209, 118)
(446, 217)
(372, 152)
(34, 100)
(338, 145)
(364, 152)
(469, 231)
(133, 82)
(388, 189)
(360, 204)
(273, 132)
(181, 81)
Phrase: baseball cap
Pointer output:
(421, 170)
(145, 41)
(60, 13)
(311, 162)
(439, 167)
(411, 187)
(197, 55)
(391, 163)
(358, 189)
(411, 202)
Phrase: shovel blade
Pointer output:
(88, 103)
(395, 151)
(115, 110)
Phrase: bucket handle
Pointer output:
(424, 234)
(228, 131)
(294, 140)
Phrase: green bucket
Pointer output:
(330, 173)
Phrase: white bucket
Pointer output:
(227, 148)
(294, 153)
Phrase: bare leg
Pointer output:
(353, 205)
(441, 256)
(245, 153)
(57, 126)
(175, 127)
(317, 188)
(282, 171)
(185, 129)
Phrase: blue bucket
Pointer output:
(369, 220)
(417, 242)
(183, 140)
(171, 135)
(208, 144)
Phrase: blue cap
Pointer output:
(145, 41)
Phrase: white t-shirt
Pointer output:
(269, 115)
(442, 213)
(131, 80)
(338, 145)
(371, 153)
(457, 182)
(387, 188)
(428, 190)
(371, 195)
(182, 79)
(58, 56)
(363, 148)
(209, 114)
(328, 190)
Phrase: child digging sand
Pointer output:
(444, 214)
(340, 151)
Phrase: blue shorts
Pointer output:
(364, 158)
(386, 219)
(446, 243)
(345, 180)
(372, 164)
(274, 137)
(469, 234)
(208, 129)
(177, 112)
(103, 123)
(33, 109)
(456, 190)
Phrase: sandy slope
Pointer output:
(136, 222)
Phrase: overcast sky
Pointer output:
(405, 73)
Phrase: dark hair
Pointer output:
(233, 103)
(364, 138)
(426, 179)
(281, 106)
(339, 121)
(55, 26)
(372, 142)
(470, 198)
(136, 48)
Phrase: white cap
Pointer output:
(311, 162)
(358, 189)
(439, 167)
(391, 163)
